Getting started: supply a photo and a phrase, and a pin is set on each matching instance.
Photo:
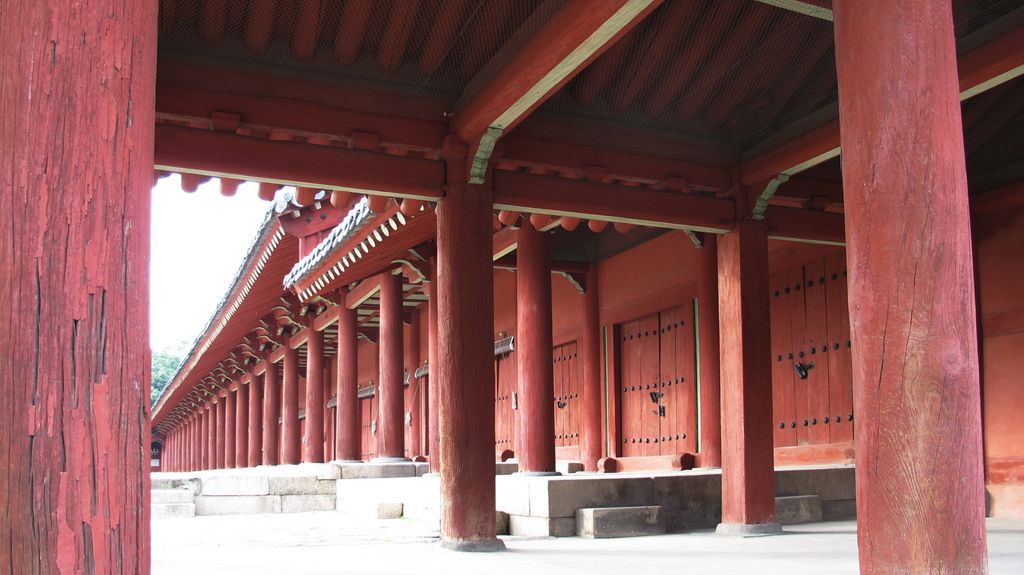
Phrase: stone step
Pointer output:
(603, 522)
(172, 510)
(161, 483)
(798, 509)
(171, 496)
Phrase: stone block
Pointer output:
(512, 494)
(828, 483)
(236, 485)
(390, 510)
(798, 509)
(237, 505)
(619, 521)
(308, 485)
(172, 510)
(567, 467)
(171, 496)
(506, 467)
(162, 481)
(839, 509)
(304, 503)
(378, 470)
(541, 526)
(501, 523)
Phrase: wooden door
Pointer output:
(505, 398)
(567, 394)
(367, 424)
(657, 383)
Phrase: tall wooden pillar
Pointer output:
(710, 367)
(536, 375)
(412, 359)
(255, 447)
(76, 158)
(911, 290)
(347, 446)
(197, 447)
(465, 364)
(590, 344)
(230, 402)
(206, 440)
(433, 379)
(291, 452)
(221, 440)
(390, 392)
(271, 411)
(313, 446)
(242, 425)
(211, 442)
(748, 482)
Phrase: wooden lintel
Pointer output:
(504, 243)
(329, 317)
(807, 226)
(614, 203)
(219, 154)
(366, 289)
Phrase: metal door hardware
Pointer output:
(660, 412)
(802, 369)
(561, 404)
(656, 396)
(515, 400)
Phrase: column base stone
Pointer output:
(473, 545)
(748, 529)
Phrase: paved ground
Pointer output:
(328, 542)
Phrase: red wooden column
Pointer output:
(230, 402)
(211, 439)
(347, 434)
(255, 451)
(710, 388)
(76, 158)
(536, 377)
(433, 379)
(197, 448)
(222, 430)
(205, 438)
(313, 448)
(465, 362)
(242, 425)
(590, 343)
(291, 452)
(911, 290)
(390, 430)
(748, 482)
(271, 411)
(412, 359)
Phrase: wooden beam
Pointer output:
(800, 7)
(614, 203)
(580, 32)
(366, 289)
(291, 163)
(994, 63)
(806, 226)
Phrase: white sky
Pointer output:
(198, 242)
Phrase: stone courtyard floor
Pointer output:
(329, 542)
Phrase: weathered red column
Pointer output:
(291, 452)
(230, 402)
(590, 347)
(271, 411)
(205, 438)
(347, 434)
(911, 290)
(433, 378)
(211, 440)
(242, 425)
(313, 446)
(536, 376)
(390, 428)
(76, 158)
(197, 448)
(255, 444)
(465, 362)
(412, 359)
(710, 450)
(222, 427)
(748, 481)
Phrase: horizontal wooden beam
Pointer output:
(366, 289)
(806, 226)
(589, 200)
(222, 154)
(995, 62)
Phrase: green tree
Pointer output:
(165, 366)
